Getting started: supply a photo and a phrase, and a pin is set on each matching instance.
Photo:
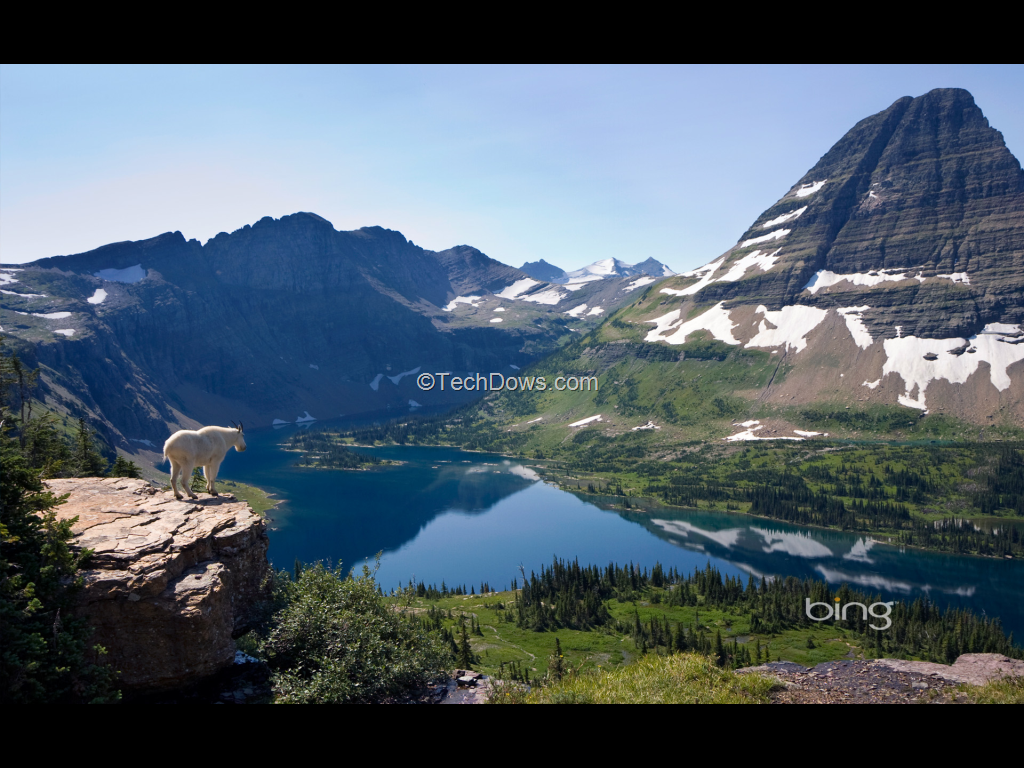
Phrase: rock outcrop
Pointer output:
(171, 582)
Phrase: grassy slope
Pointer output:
(504, 642)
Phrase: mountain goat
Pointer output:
(204, 448)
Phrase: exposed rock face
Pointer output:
(277, 320)
(898, 258)
(171, 581)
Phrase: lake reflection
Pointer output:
(467, 517)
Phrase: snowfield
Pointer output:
(825, 278)
(756, 259)
(810, 189)
(519, 286)
(403, 374)
(576, 311)
(776, 235)
(583, 422)
(855, 325)
(640, 282)
(792, 324)
(69, 332)
(783, 218)
(705, 273)
(450, 306)
(551, 296)
(905, 356)
(376, 381)
(97, 297)
(715, 320)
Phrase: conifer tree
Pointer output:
(86, 459)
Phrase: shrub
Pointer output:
(336, 640)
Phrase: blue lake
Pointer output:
(465, 518)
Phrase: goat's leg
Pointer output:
(175, 471)
(211, 470)
(186, 479)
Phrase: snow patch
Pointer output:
(715, 320)
(513, 367)
(583, 422)
(500, 309)
(872, 384)
(495, 320)
(648, 425)
(7, 276)
(575, 283)
(314, 367)
(46, 316)
(305, 418)
(810, 189)
(906, 356)
(534, 421)
(576, 311)
(705, 273)
(450, 306)
(755, 259)
(551, 296)
(376, 381)
(24, 295)
(518, 287)
(144, 442)
(595, 311)
(804, 433)
(776, 235)
(279, 422)
(783, 218)
(825, 278)
(403, 374)
(69, 332)
(126, 275)
(414, 404)
(639, 282)
(97, 297)
(792, 324)
(854, 318)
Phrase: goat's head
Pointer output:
(240, 442)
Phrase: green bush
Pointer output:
(335, 640)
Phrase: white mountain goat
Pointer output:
(204, 448)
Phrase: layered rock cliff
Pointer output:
(892, 272)
(171, 582)
(283, 320)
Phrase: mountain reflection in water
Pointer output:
(465, 518)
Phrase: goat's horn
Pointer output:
(233, 423)
(239, 426)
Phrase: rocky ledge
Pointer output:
(171, 582)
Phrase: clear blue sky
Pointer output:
(568, 164)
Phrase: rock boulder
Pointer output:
(171, 582)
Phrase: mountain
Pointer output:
(885, 285)
(281, 321)
(541, 270)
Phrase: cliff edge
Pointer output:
(171, 582)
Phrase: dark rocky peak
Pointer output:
(469, 270)
(163, 252)
(541, 270)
